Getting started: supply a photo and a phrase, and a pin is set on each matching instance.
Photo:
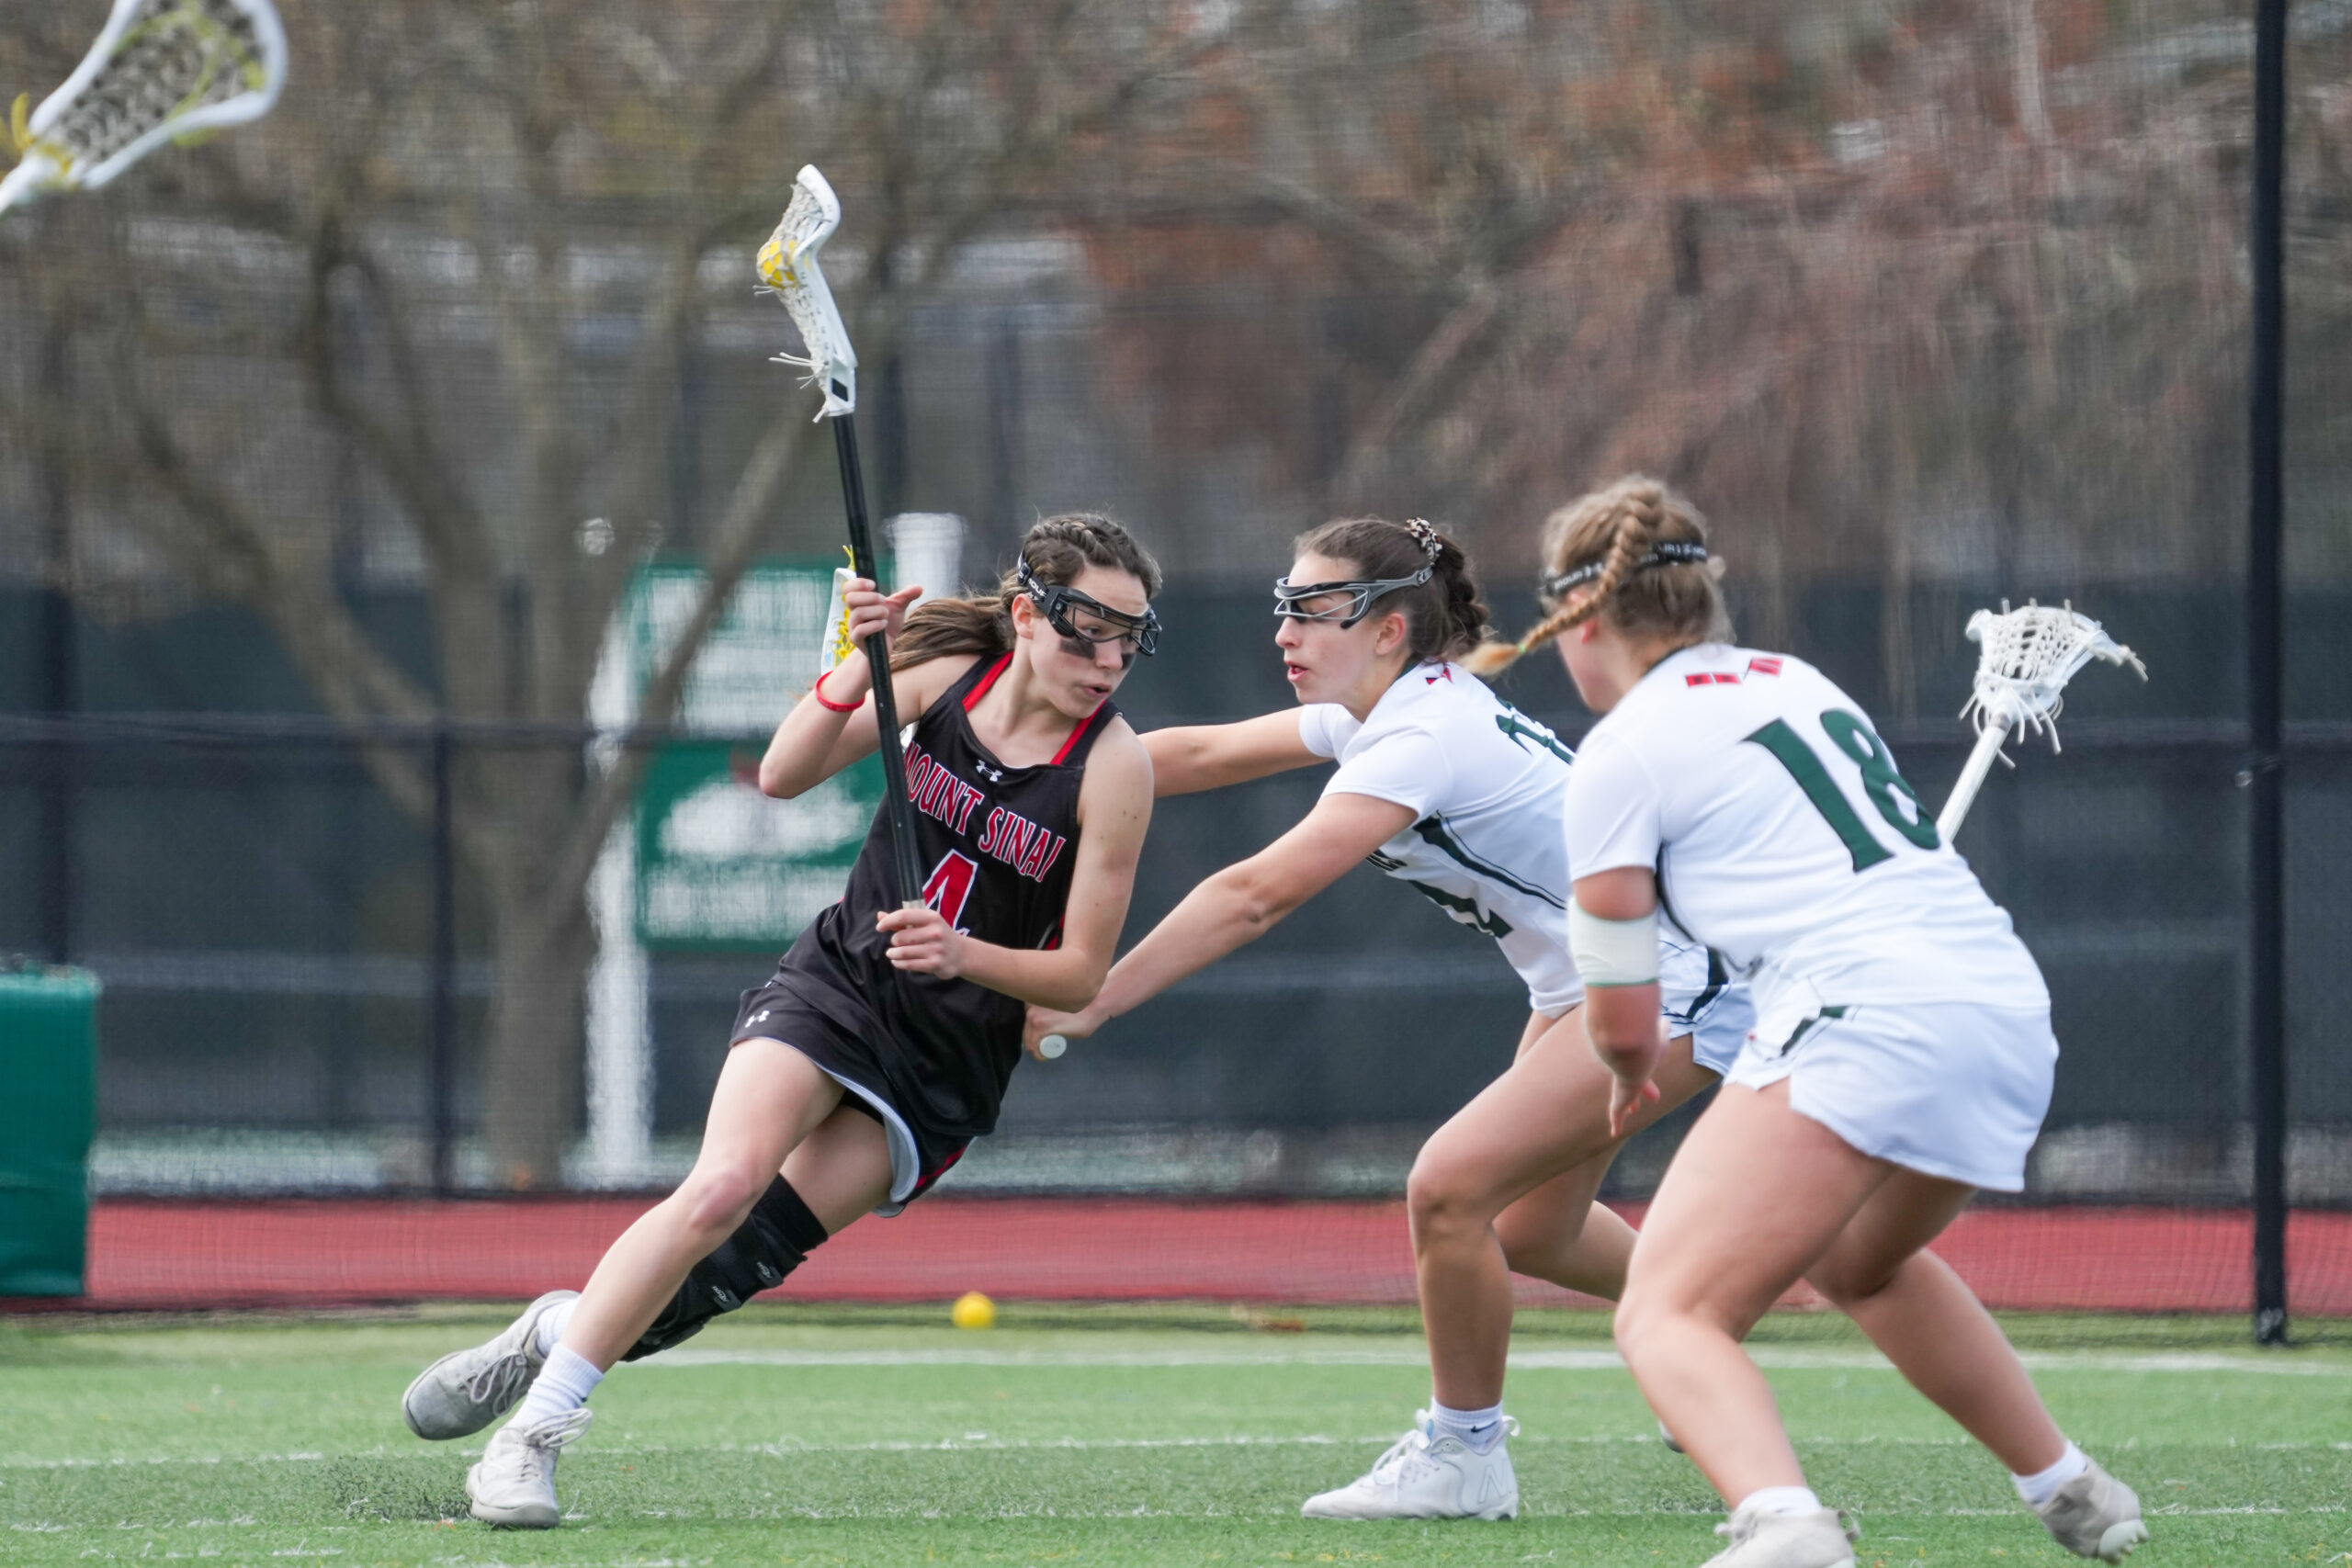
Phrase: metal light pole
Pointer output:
(2265, 633)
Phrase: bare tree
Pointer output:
(1889, 289)
(469, 258)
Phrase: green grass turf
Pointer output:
(1099, 1436)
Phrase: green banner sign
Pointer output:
(719, 865)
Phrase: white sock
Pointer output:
(548, 1333)
(1781, 1500)
(1481, 1429)
(2040, 1487)
(563, 1384)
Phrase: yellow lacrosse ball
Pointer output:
(973, 1310)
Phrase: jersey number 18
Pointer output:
(1881, 784)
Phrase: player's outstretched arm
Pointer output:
(1236, 906)
(1114, 811)
(1192, 756)
(833, 725)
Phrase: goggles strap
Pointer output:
(1666, 552)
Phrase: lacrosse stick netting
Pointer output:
(162, 71)
(788, 269)
(2027, 658)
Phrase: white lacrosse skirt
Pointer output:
(1719, 1030)
(1950, 1089)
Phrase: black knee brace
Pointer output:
(777, 1237)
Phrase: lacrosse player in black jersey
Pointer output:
(882, 1045)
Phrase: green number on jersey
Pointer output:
(1518, 726)
(1880, 783)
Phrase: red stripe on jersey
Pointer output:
(1083, 724)
(1764, 665)
(980, 687)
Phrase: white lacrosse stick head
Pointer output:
(162, 71)
(788, 269)
(2026, 656)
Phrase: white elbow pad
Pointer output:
(1612, 952)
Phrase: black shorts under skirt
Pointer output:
(920, 1155)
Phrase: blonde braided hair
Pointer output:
(1618, 528)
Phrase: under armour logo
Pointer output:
(994, 775)
(1444, 673)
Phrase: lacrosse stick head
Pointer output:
(2026, 657)
(162, 71)
(790, 270)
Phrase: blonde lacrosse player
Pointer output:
(882, 1045)
(1900, 1059)
(1449, 790)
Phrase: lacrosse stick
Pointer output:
(2028, 657)
(788, 269)
(162, 71)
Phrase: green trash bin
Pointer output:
(49, 1061)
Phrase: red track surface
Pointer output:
(154, 1255)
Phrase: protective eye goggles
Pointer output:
(1087, 619)
(1290, 598)
(1552, 586)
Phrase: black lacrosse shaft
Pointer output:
(877, 656)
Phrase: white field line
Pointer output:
(982, 1442)
(306, 1550)
(1772, 1358)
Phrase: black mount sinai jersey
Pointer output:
(997, 845)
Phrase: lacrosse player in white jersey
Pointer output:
(1445, 788)
(1902, 1053)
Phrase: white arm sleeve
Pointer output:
(1612, 814)
(1322, 726)
(1411, 770)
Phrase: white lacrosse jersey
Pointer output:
(1784, 838)
(1485, 785)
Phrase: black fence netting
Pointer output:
(302, 962)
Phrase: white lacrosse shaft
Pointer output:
(1052, 1046)
(1971, 779)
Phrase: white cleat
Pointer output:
(1759, 1539)
(2094, 1515)
(467, 1389)
(513, 1485)
(1422, 1477)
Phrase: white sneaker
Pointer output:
(2094, 1515)
(467, 1389)
(1759, 1539)
(513, 1485)
(1422, 1477)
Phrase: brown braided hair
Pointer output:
(1617, 527)
(1443, 618)
(1057, 550)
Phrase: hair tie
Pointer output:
(1424, 535)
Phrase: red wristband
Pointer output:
(817, 692)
